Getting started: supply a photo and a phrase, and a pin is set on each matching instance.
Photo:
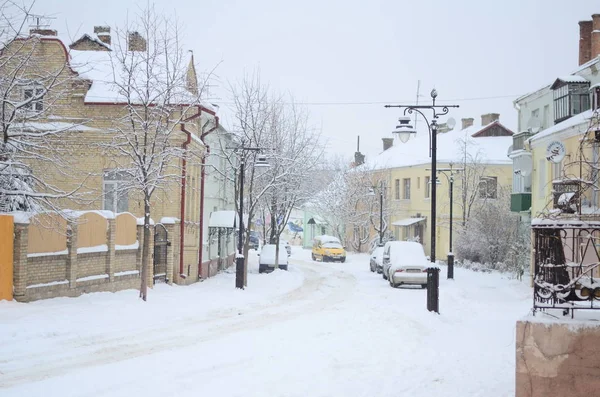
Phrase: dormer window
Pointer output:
(571, 97)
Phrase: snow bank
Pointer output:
(94, 249)
(133, 246)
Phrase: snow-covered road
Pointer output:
(317, 330)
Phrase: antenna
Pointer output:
(39, 21)
(418, 89)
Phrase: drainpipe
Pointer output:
(183, 191)
(202, 180)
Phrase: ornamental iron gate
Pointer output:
(566, 266)
(161, 243)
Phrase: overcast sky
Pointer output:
(335, 53)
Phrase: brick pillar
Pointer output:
(138, 255)
(72, 255)
(20, 249)
(175, 252)
(585, 41)
(595, 47)
(170, 248)
(111, 236)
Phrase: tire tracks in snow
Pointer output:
(322, 288)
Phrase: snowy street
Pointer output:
(320, 329)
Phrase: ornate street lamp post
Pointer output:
(449, 174)
(240, 261)
(404, 132)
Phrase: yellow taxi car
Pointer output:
(328, 249)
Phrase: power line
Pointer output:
(387, 102)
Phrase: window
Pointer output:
(34, 98)
(116, 197)
(397, 189)
(546, 121)
(556, 171)
(488, 187)
(570, 99)
(427, 186)
(596, 97)
(406, 183)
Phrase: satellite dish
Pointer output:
(451, 123)
(509, 151)
(534, 125)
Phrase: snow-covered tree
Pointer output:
(263, 120)
(150, 76)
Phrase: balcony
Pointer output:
(519, 140)
(520, 202)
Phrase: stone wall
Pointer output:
(559, 358)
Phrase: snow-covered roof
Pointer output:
(407, 221)
(222, 219)
(450, 149)
(572, 79)
(104, 70)
(579, 119)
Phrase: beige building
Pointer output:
(478, 149)
(84, 105)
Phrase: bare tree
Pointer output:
(160, 112)
(34, 86)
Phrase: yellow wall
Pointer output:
(419, 204)
(542, 175)
(6, 257)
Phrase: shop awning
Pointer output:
(408, 221)
(315, 220)
(224, 219)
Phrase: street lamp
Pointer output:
(449, 174)
(240, 262)
(404, 133)
(372, 193)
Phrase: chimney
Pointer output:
(466, 123)
(489, 118)
(585, 41)
(103, 33)
(387, 143)
(43, 32)
(595, 36)
(136, 42)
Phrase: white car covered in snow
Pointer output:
(266, 258)
(405, 263)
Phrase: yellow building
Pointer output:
(84, 106)
(477, 154)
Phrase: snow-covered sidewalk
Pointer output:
(320, 329)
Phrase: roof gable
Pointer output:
(493, 129)
(567, 80)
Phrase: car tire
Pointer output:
(391, 282)
(343, 260)
(313, 257)
(383, 275)
(372, 270)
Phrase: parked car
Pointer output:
(404, 262)
(287, 246)
(254, 240)
(328, 248)
(266, 258)
(376, 264)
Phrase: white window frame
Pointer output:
(37, 105)
(115, 179)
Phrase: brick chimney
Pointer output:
(135, 42)
(466, 123)
(595, 35)
(585, 41)
(489, 118)
(43, 32)
(387, 143)
(103, 33)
